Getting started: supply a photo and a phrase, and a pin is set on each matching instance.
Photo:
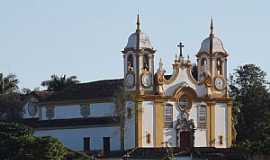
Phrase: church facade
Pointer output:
(155, 110)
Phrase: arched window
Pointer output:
(168, 116)
(219, 66)
(130, 62)
(204, 64)
(146, 62)
(202, 117)
(129, 113)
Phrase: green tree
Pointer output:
(48, 148)
(11, 106)
(251, 98)
(8, 84)
(17, 142)
(11, 136)
(15, 129)
(57, 83)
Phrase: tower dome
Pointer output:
(138, 39)
(212, 44)
(144, 41)
(217, 45)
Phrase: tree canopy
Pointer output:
(251, 98)
(11, 106)
(57, 83)
(8, 84)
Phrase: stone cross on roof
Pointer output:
(181, 46)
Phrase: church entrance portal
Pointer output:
(185, 140)
(184, 130)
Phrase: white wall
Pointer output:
(129, 130)
(73, 138)
(220, 124)
(147, 123)
(74, 111)
(67, 111)
(102, 109)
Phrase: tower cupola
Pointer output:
(138, 39)
(139, 62)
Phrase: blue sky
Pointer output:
(84, 38)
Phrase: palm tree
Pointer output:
(8, 84)
(57, 83)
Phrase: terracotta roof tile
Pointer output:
(91, 90)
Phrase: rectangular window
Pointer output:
(168, 116)
(86, 144)
(202, 117)
(106, 144)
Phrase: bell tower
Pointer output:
(138, 58)
(212, 63)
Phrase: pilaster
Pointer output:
(211, 123)
(158, 123)
(229, 124)
(138, 123)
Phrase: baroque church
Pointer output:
(156, 110)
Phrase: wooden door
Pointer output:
(185, 140)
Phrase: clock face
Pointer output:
(219, 83)
(32, 109)
(130, 80)
(147, 80)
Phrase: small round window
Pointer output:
(184, 103)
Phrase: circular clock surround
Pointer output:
(219, 83)
(147, 80)
(130, 80)
(32, 109)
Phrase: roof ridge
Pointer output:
(95, 81)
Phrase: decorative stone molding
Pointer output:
(85, 110)
(50, 112)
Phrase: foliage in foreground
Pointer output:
(76, 155)
(17, 142)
